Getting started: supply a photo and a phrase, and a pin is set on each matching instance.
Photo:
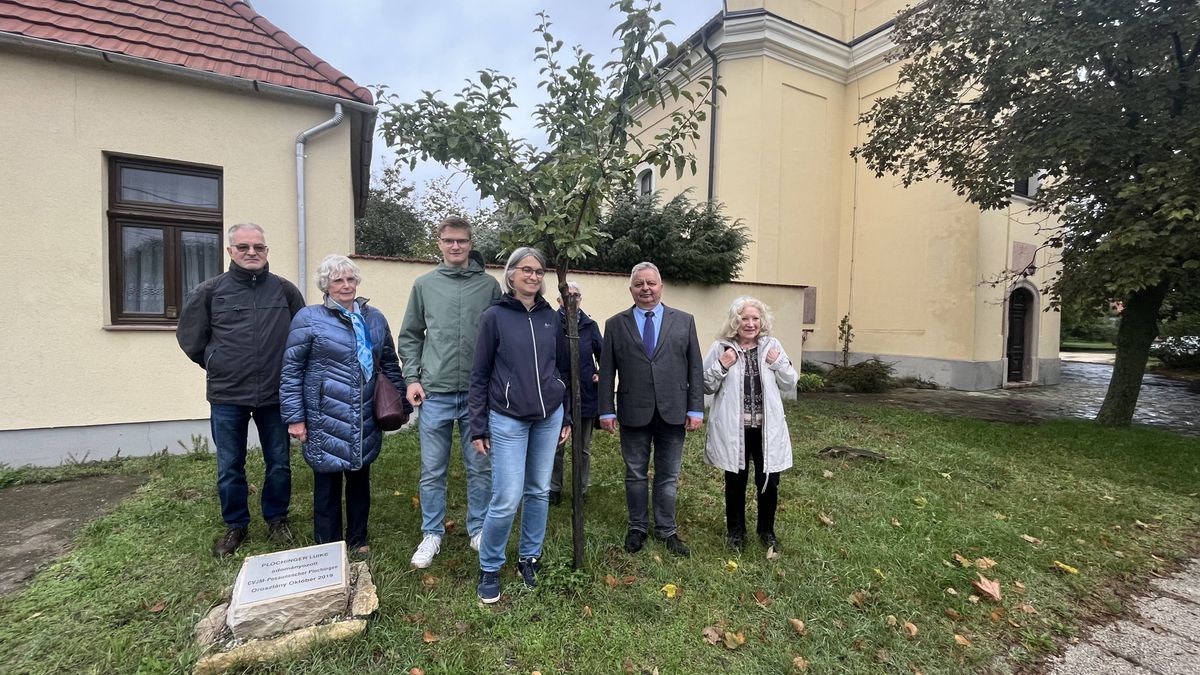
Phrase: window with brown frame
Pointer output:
(164, 233)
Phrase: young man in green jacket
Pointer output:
(437, 346)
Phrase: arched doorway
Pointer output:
(1021, 344)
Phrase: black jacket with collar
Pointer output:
(235, 326)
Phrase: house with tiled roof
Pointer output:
(134, 132)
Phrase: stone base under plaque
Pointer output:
(223, 651)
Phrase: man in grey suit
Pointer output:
(654, 350)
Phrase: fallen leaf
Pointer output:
(1027, 608)
(730, 565)
(882, 655)
(451, 524)
(800, 664)
(974, 599)
(946, 476)
(430, 637)
(985, 563)
(762, 598)
(158, 607)
(988, 587)
(894, 522)
(397, 494)
(1014, 624)
(915, 670)
(825, 519)
(629, 580)
(998, 613)
(734, 640)
(1109, 498)
(416, 502)
(415, 671)
(910, 628)
(35, 615)
(951, 591)
(658, 559)
(587, 611)
(798, 625)
(461, 627)
(999, 516)
(711, 634)
(858, 598)
(1145, 526)
(920, 501)
(1020, 586)
(1033, 540)
(1065, 567)
(827, 474)
(773, 554)
(252, 488)
(891, 620)
(961, 641)
(670, 590)
(429, 581)
(965, 562)
(628, 667)
(611, 581)
(1080, 542)
(536, 672)
(952, 613)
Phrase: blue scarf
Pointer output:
(362, 340)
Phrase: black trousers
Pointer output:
(765, 489)
(327, 506)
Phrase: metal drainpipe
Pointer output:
(301, 222)
(712, 117)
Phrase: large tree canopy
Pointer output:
(1101, 97)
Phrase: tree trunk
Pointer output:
(1137, 330)
(572, 307)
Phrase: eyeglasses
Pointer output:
(532, 271)
(243, 248)
(575, 295)
(452, 242)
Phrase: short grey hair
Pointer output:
(730, 329)
(331, 266)
(643, 266)
(510, 267)
(573, 286)
(243, 226)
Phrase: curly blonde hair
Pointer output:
(730, 329)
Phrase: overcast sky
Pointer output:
(415, 46)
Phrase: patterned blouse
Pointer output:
(752, 396)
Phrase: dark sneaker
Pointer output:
(528, 568)
(735, 540)
(229, 543)
(555, 498)
(280, 533)
(489, 587)
(769, 540)
(674, 545)
(634, 540)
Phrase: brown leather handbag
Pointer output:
(390, 414)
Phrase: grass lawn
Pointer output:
(1081, 346)
(1116, 505)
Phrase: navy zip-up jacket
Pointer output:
(590, 344)
(518, 365)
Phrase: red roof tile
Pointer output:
(226, 37)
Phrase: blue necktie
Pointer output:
(648, 334)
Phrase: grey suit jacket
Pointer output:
(672, 381)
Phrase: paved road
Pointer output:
(1161, 634)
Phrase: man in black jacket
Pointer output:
(235, 326)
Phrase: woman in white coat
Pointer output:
(747, 370)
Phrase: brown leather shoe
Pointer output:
(229, 543)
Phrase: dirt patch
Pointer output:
(38, 522)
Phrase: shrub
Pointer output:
(868, 377)
(812, 367)
(1178, 352)
(810, 382)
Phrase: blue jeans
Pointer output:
(437, 416)
(230, 424)
(522, 458)
(667, 440)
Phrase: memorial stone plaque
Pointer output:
(289, 589)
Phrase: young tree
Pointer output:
(1103, 96)
(691, 242)
(553, 195)
(390, 225)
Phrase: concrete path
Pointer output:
(1161, 634)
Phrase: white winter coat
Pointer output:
(726, 444)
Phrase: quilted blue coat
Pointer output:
(323, 386)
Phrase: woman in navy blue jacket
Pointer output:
(519, 414)
(334, 352)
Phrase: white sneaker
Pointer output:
(475, 539)
(429, 547)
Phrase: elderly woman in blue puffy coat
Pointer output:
(334, 352)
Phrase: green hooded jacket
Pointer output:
(436, 342)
